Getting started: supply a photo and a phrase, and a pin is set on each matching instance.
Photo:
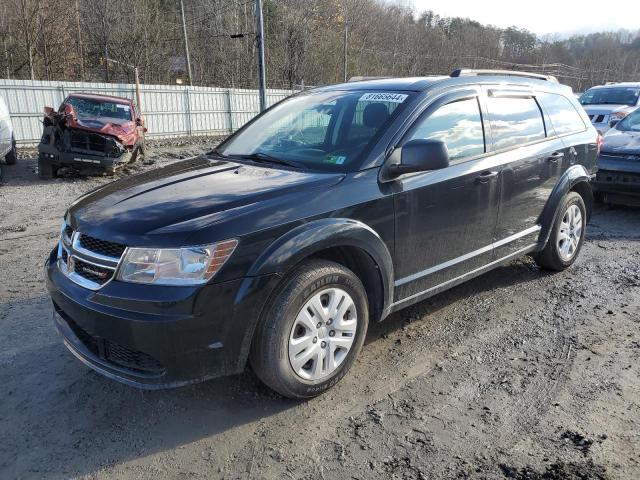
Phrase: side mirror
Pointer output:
(420, 156)
(613, 123)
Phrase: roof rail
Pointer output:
(463, 72)
(363, 79)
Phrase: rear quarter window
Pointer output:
(515, 121)
(563, 115)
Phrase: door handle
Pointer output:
(554, 157)
(485, 177)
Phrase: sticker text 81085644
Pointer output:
(384, 97)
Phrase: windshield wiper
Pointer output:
(265, 157)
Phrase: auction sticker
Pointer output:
(384, 97)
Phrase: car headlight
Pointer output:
(618, 115)
(175, 266)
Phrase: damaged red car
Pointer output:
(90, 134)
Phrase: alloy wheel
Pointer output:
(570, 233)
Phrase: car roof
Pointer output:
(415, 84)
(97, 96)
(420, 84)
(617, 84)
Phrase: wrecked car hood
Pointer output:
(124, 131)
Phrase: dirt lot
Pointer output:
(517, 374)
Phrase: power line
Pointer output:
(218, 12)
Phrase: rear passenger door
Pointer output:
(531, 164)
(445, 219)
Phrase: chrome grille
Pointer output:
(93, 273)
(102, 247)
(88, 261)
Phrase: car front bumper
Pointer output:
(154, 336)
(618, 179)
(83, 162)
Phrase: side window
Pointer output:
(458, 125)
(514, 121)
(564, 117)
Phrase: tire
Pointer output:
(561, 251)
(285, 335)
(46, 170)
(12, 156)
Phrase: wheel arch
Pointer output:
(348, 242)
(577, 179)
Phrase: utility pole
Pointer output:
(6, 57)
(346, 36)
(186, 43)
(137, 78)
(105, 34)
(262, 75)
(79, 42)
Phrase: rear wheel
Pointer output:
(567, 235)
(12, 156)
(312, 332)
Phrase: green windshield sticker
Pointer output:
(335, 159)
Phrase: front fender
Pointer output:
(569, 179)
(309, 238)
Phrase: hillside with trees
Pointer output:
(305, 43)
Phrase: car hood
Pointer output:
(618, 141)
(122, 130)
(165, 206)
(606, 109)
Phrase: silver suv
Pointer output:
(7, 138)
(610, 103)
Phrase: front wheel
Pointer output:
(567, 235)
(311, 334)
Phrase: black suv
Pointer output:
(334, 208)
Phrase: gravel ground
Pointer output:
(517, 374)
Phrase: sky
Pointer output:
(542, 16)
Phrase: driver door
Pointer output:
(446, 219)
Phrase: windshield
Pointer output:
(326, 131)
(97, 108)
(631, 123)
(611, 96)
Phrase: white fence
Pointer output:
(169, 110)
